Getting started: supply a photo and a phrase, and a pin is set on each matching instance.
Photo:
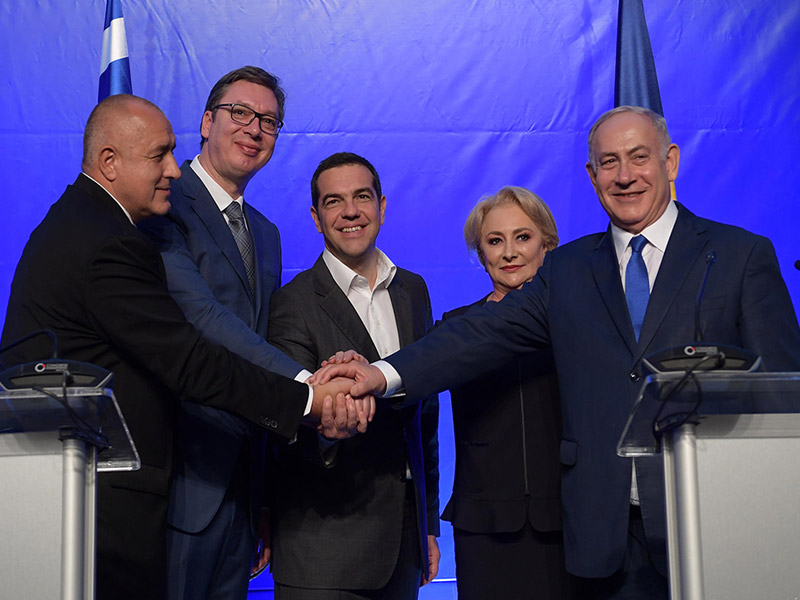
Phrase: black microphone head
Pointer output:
(711, 257)
(797, 264)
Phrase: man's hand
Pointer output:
(369, 379)
(433, 560)
(343, 417)
(343, 356)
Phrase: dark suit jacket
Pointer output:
(576, 302)
(507, 428)
(207, 278)
(340, 527)
(94, 279)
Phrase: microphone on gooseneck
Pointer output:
(32, 335)
(711, 258)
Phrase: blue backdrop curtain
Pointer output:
(450, 100)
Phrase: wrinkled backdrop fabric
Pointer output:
(449, 99)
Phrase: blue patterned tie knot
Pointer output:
(637, 285)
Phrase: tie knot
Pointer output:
(637, 243)
(234, 211)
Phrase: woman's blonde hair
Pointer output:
(531, 205)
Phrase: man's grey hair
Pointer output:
(658, 122)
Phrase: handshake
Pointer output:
(344, 395)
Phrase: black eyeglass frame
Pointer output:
(256, 115)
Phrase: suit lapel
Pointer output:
(337, 307)
(403, 315)
(684, 249)
(605, 270)
(206, 209)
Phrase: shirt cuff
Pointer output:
(394, 384)
(302, 376)
(310, 401)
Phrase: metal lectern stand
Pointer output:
(52, 442)
(731, 448)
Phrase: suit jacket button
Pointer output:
(267, 422)
(634, 376)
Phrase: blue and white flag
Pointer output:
(115, 69)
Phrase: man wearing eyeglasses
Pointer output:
(223, 262)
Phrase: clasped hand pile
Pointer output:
(347, 384)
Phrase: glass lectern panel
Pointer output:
(91, 414)
(668, 400)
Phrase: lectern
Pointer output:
(52, 442)
(731, 449)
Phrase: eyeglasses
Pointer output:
(244, 115)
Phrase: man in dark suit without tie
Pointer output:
(614, 514)
(355, 520)
(89, 275)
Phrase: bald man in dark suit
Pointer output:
(107, 302)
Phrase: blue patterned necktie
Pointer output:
(637, 286)
(242, 239)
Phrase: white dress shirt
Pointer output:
(221, 198)
(374, 306)
(657, 236)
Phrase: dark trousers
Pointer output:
(637, 579)
(131, 550)
(214, 564)
(523, 565)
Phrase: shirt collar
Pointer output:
(127, 214)
(344, 276)
(221, 198)
(657, 233)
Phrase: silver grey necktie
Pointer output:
(242, 238)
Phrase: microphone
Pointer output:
(711, 258)
(697, 355)
(797, 265)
